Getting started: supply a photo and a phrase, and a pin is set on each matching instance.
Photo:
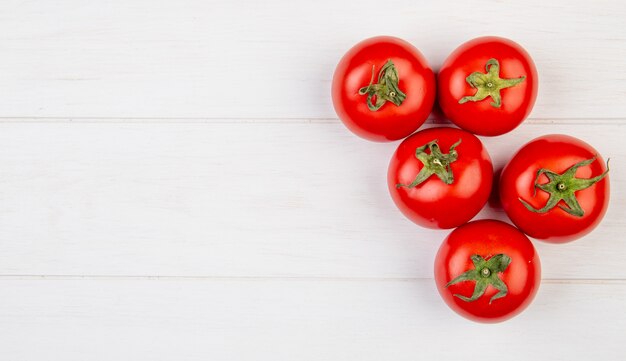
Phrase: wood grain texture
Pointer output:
(296, 320)
(250, 199)
(274, 59)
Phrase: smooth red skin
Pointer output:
(480, 117)
(557, 153)
(488, 238)
(434, 204)
(390, 122)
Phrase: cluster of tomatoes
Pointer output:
(555, 188)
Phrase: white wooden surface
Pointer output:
(174, 184)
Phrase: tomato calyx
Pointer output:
(434, 163)
(485, 273)
(564, 187)
(386, 89)
(489, 84)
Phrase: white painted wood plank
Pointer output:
(259, 199)
(221, 59)
(296, 320)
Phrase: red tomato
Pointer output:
(440, 177)
(555, 188)
(487, 271)
(383, 89)
(488, 86)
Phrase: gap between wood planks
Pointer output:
(261, 120)
(271, 279)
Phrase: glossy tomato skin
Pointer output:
(390, 122)
(558, 153)
(434, 204)
(481, 117)
(488, 238)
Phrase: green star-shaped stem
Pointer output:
(489, 84)
(434, 163)
(386, 89)
(564, 187)
(485, 273)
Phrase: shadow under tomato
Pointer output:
(494, 197)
